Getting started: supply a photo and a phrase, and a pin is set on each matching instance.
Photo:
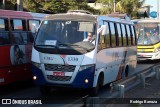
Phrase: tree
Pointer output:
(130, 7)
(31, 5)
(107, 6)
(9, 4)
(51, 6)
(55, 6)
(62, 6)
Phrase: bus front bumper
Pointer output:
(80, 81)
(148, 56)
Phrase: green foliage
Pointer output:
(9, 4)
(62, 6)
(130, 7)
(107, 6)
(31, 5)
(55, 6)
(123, 6)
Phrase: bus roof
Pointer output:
(148, 20)
(70, 16)
(119, 20)
(11, 13)
(84, 17)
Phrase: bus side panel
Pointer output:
(131, 59)
(15, 73)
(110, 59)
(14, 68)
(4, 65)
(10, 70)
(5, 56)
(114, 60)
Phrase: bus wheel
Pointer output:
(124, 73)
(94, 91)
(45, 90)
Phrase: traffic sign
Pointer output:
(153, 14)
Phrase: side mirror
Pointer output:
(103, 30)
(34, 28)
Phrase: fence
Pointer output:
(119, 88)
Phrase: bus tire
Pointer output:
(95, 90)
(45, 90)
(125, 72)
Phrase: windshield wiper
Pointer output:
(73, 45)
(64, 44)
(47, 46)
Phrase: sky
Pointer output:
(152, 3)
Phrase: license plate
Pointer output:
(58, 74)
(143, 55)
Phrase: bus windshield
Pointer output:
(65, 33)
(148, 33)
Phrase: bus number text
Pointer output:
(72, 59)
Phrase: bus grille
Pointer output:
(140, 51)
(59, 78)
(63, 68)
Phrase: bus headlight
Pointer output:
(38, 65)
(86, 81)
(157, 49)
(34, 77)
(83, 67)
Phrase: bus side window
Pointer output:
(18, 25)
(101, 40)
(4, 24)
(33, 26)
(19, 31)
(119, 34)
(104, 37)
(113, 34)
(107, 35)
(128, 35)
(133, 35)
(4, 29)
(124, 35)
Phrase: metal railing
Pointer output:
(119, 88)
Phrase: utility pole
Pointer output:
(114, 5)
(157, 9)
(3, 4)
(19, 5)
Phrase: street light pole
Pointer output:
(114, 5)
(3, 4)
(19, 5)
(157, 9)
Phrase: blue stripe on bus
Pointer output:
(40, 77)
(79, 81)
